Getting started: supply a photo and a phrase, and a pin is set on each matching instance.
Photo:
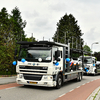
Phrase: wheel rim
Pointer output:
(80, 77)
(59, 81)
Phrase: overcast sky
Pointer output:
(42, 16)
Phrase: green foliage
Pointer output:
(11, 29)
(97, 55)
(23, 53)
(75, 55)
(68, 30)
(31, 39)
(6, 57)
(87, 48)
(19, 24)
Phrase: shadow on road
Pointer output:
(72, 82)
(47, 88)
(92, 74)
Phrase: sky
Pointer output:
(42, 16)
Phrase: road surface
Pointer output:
(69, 89)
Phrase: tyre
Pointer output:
(95, 72)
(59, 81)
(79, 77)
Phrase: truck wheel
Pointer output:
(59, 81)
(95, 72)
(79, 77)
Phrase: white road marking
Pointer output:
(84, 84)
(10, 88)
(78, 86)
(91, 80)
(88, 82)
(62, 95)
(71, 90)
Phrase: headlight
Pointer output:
(45, 77)
(19, 75)
(48, 77)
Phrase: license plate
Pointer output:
(33, 82)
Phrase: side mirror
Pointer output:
(57, 53)
(58, 59)
(94, 61)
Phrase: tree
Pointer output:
(6, 41)
(31, 39)
(87, 49)
(68, 30)
(19, 25)
(4, 25)
(11, 30)
(97, 55)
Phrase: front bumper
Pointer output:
(90, 71)
(42, 82)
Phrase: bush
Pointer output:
(6, 59)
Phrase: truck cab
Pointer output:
(90, 66)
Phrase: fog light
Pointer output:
(45, 83)
(45, 77)
(19, 80)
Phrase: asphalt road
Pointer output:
(42, 93)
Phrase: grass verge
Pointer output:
(96, 95)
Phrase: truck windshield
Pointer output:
(34, 55)
(87, 60)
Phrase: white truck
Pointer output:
(91, 66)
(45, 63)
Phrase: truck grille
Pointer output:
(32, 77)
(33, 69)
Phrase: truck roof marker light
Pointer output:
(23, 60)
(56, 63)
(67, 59)
(14, 63)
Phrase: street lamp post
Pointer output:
(92, 45)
